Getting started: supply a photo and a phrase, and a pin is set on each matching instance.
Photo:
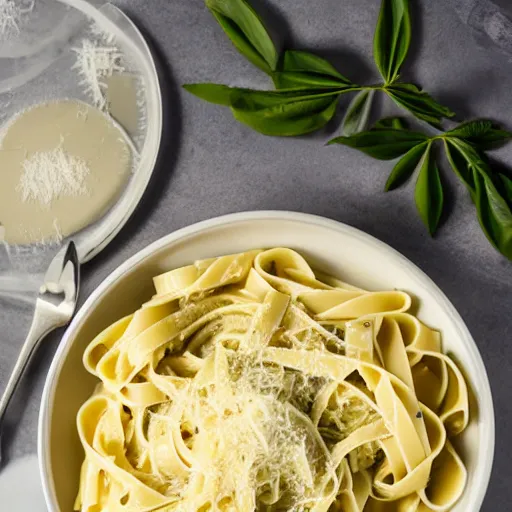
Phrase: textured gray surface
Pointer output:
(211, 165)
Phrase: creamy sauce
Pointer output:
(83, 132)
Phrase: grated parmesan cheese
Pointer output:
(96, 62)
(258, 444)
(48, 175)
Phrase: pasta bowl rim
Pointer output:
(486, 419)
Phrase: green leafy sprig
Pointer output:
(308, 90)
(465, 148)
(308, 87)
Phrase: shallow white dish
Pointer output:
(37, 65)
(340, 250)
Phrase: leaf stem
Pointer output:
(374, 87)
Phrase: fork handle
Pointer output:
(42, 324)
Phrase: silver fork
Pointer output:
(55, 306)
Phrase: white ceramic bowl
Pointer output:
(333, 247)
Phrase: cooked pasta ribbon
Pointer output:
(251, 382)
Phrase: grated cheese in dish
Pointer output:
(48, 175)
(96, 62)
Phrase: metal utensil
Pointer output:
(55, 306)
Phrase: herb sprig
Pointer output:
(465, 148)
(308, 87)
(306, 97)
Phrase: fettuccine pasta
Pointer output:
(250, 382)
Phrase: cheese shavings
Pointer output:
(96, 62)
(48, 175)
(261, 449)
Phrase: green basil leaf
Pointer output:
(428, 193)
(289, 119)
(459, 156)
(406, 166)
(357, 114)
(214, 93)
(254, 99)
(507, 188)
(418, 102)
(416, 110)
(396, 123)
(246, 31)
(294, 79)
(418, 97)
(493, 212)
(481, 133)
(493, 208)
(382, 144)
(301, 68)
(476, 128)
(285, 112)
(392, 38)
(298, 60)
(284, 100)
